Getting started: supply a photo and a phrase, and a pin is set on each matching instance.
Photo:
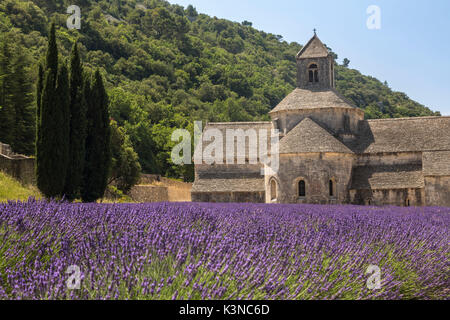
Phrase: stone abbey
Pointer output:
(329, 154)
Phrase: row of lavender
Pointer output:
(221, 251)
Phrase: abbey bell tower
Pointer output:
(315, 66)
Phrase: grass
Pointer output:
(11, 189)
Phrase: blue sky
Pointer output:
(411, 51)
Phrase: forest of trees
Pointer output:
(165, 66)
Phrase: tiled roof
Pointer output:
(403, 135)
(224, 126)
(313, 49)
(309, 137)
(312, 99)
(387, 177)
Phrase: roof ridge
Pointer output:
(408, 118)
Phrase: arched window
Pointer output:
(302, 188)
(331, 188)
(407, 203)
(313, 73)
(273, 190)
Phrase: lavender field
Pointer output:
(222, 251)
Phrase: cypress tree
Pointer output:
(39, 88)
(62, 125)
(23, 107)
(44, 170)
(98, 150)
(46, 100)
(7, 114)
(52, 53)
(52, 153)
(75, 168)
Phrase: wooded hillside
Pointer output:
(166, 66)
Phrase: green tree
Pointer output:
(125, 167)
(52, 154)
(39, 89)
(345, 63)
(52, 53)
(98, 147)
(77, 135)
(24, 114)
(7, 114)
(191, 11)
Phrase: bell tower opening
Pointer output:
(315, 66)
(313, 73)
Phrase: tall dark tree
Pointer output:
(7, 114)
(52, 53)
(39, 89)
(44, 170)
(52, 154)
(74, 177)
(98, 149)
(24, 129)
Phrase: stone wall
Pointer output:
(143, 193)
(388, 197)
(316, 169)
(392, 158)
(326, 73)
(333, 118)
(437, 191)
(155, 188)
(231, 197)
(436, 169)
(19, 167)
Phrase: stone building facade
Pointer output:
(329, 154)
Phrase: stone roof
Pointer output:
(224, 126)
(436, 163)
(387, 177)
(313, 49)
(229, 185)
(403, 135)
(309, 137)
(312, 99)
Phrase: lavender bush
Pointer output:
(222, 251)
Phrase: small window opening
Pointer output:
(273, 190)
(301, 188)
(331, 188)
